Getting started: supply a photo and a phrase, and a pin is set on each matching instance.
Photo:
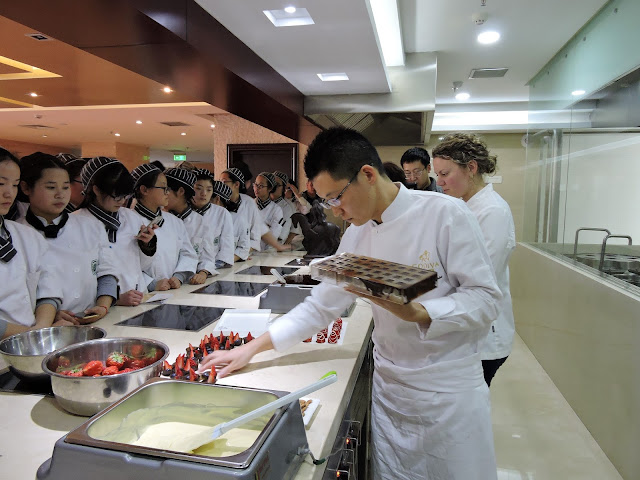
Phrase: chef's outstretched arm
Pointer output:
(236, 358)
(409, 312)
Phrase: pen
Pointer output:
(136, 286)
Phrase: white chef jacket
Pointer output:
(272, 216)
(287, 211)
(29, 276)
(127, 256)
(241, 235)
(439, 368)
(220, 223)
(81, 254)
(496, 223)
(174, 252)
(201, 236)
(257, 227)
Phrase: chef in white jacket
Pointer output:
(277, 196)
(460, 162)
(175, 260)
(30, 292)
(241, 235)
(270, 212)
(430, 405)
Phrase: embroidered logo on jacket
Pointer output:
(426, 263)
(94, 267)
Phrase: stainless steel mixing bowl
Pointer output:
(25, 351)
(86, 396)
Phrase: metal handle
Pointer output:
(575, 244)
(604, 247)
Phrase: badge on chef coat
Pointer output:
(216, 240)
(94, 267)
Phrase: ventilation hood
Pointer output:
(402, 117)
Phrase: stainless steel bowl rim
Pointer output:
(7, 341)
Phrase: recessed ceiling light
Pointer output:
(462, 96)
(285, 18)
(333, 77)
(139, 122)
(44, 136)
(577, 93)
(183, 133)
(488, 37)
(212, 126)
(33, 94)
(117, 134)
(167, 90)
(290, 9)
(387, 24)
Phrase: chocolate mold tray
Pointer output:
(391, 281)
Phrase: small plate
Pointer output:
(308, 414)
(243, 322)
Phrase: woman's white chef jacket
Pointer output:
(220, 223)
(127, 256)
(241, 235)
(272, 216)
(496, 223)
(429, 394)
(287, 211)
(174, 252)
(249, 210)
(29, 276)
(201, 236)
(81, 254)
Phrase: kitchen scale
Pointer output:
(103, 449)
(234, 289)
(266, 270)
(175, 317)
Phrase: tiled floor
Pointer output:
(537, 434)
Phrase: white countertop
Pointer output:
(33, 423)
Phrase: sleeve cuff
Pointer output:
(436, 308)
(51, 301)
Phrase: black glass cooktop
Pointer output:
(235, 289)
(266, 270)
(10, 382)
(176, 317)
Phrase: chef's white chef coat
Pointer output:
(272, 216)
(437, 369)
(127, 256)
(241, 235)
(81, 254)
(202, 239)
(174, 252)
(287, 211)
(29, 276)
(220, 223)
(257, 227)
(496, 223)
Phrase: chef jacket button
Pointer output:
(76, 296)
(76, 269)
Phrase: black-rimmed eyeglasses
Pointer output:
(335, 202)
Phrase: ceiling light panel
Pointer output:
(281, 18)
(387, 25)
(333, 77)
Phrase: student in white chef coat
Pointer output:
(175, 260)
(277, 197)
(460, 162)
(74, 166)
(216, 217)
(242, 247)
(83, 257)
(181, 182)
(107, 186)
(246, 206)
(431, 416)
(271, 213)
(30, 292)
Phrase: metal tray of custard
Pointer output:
(267, 448)
(391, 281)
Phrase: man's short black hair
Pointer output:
(341, 152)
(415, 154)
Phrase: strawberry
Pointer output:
(192, 375)
(137, 363)
(127, 370)
(63, 361)
(116, 359)
(227, 346)
(152, 356)
(110, 370)
(137, 350)
(166, 365)
(180, 363)
(249, 338)
(212, 375)
(75, 374)
(94, 367)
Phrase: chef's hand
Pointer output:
(145, 234)
(163, 285)
(93, 314)
(199, 278)
(238, 357)
(63, 323)
(66, 316)
(130, 298)
(409, 312)
(174, 282)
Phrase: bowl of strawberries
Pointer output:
(88, 377)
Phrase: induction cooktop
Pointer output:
(176, 317)
(10, 382)
(265, 270)
(235, 289)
